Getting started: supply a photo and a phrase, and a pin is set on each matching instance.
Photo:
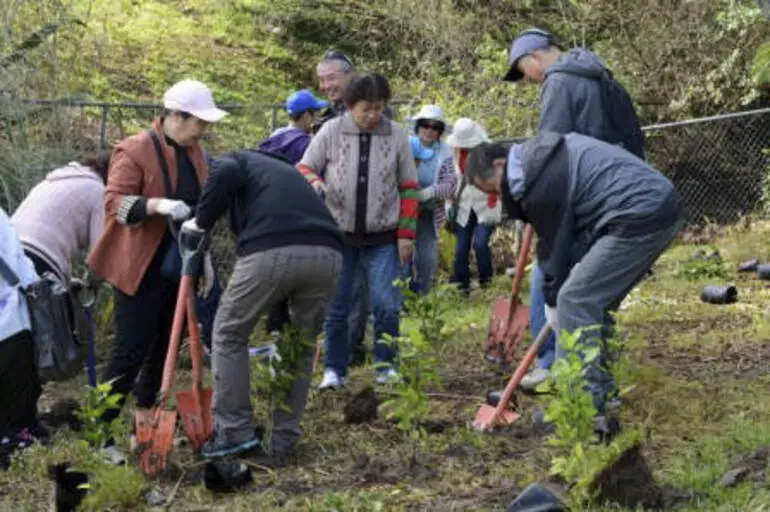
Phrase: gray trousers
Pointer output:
(596, 287)
(306, 276)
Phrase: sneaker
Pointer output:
(533, 379)
(331, 380)
(218, 447)
(387, 376)
(113, 456)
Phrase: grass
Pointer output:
(698, 389)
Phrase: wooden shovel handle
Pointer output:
(185, 289)
(521, 264)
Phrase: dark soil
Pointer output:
(629, 483)
(362, 407)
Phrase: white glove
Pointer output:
(191, 226)
(550, 317)
(177, 210)
(426, 194)
(206, 280)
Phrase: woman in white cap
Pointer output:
(155, 178)
(435, 173)
(473, 212)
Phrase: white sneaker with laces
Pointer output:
(387, 376)
(331, 380)
(533, 379)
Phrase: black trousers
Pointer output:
(19, 384)
(142, 330)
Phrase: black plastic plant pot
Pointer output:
(226, 476)
(719, 294)
(764, 272)
(749, 265)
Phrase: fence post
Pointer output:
(103, 128)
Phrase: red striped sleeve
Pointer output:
(407, 218)
(308, 173)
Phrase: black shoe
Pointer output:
(606, 427)
(226, 476)
(218, 448)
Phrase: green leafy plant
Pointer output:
(419, 354)
(274, 378)
(96, 431)
(704, 264)
(571, 410)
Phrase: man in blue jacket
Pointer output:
(290, 142)
(573, 188)
(577, 94)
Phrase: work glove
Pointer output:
(426, 194)
(191, 226)
(177, 210)
(206, 279)
(550, 317)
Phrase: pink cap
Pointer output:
(194, 98)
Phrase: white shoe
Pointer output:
(533, 379)
(388, 376)
(331, 380)
(113, 456)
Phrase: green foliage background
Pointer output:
(678, 59)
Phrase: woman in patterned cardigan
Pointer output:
(435, 173)
(370, 185)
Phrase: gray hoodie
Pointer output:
(576, 96)
(578, 189)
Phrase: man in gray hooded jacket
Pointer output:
(622, 212)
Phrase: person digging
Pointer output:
(286, 250)
(574, 189)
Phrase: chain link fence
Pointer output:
(718, 164)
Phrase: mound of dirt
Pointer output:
(629, 483)
(362, 407)
(751, 467)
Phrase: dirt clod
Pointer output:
(362, 408)
(751, 467)
(629, 482)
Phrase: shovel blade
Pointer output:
(197, 421)
(485, 418)
(155, 440)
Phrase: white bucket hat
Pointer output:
(429, 113)
(194, 98)
(467, 133)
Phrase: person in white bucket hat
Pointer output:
(155, 178)
(435, 173)
(473, 214)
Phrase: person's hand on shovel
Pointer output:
(405, 250)
(206, 279)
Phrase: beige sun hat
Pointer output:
(467, 133)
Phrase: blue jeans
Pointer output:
(381, 264)
(359, 312)
(425, 259)
(547, 351)
(478, 235)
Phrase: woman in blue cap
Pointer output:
(435, 172)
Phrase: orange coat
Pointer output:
(124, 252)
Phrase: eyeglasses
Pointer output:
(433, 126)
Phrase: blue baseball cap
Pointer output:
(302, 101)
(524, 44)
